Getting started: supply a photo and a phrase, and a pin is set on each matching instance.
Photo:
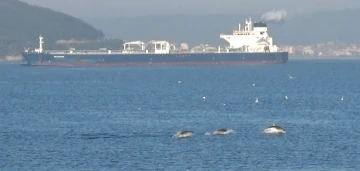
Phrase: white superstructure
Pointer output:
(156, 46)
(253, 37)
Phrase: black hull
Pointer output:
(47, 59)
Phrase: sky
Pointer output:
(124, 8)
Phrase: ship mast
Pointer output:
(41, 42)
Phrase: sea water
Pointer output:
(124, 118)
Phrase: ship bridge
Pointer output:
(253, 37)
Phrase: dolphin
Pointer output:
(274, 129)
(184, 134)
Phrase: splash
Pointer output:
(274, 16)
(207, 133)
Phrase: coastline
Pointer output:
(11, 59)
(324, 58)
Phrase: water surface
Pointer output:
(123, 118)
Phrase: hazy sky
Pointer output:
(119, 8)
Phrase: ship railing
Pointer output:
(245, 33)
(119, 52)
(141, 52)
(82, 51)
(78, 53)
(180, 52)
(92, 52)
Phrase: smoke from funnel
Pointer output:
(274, 16)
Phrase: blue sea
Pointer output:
(124, 118)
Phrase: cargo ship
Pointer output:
(249, 45)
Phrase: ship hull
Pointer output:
(70, 60)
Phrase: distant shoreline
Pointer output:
(324, 58)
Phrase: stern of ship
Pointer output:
(282, 57)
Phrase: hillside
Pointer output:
(195, 29)
(21, 24)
